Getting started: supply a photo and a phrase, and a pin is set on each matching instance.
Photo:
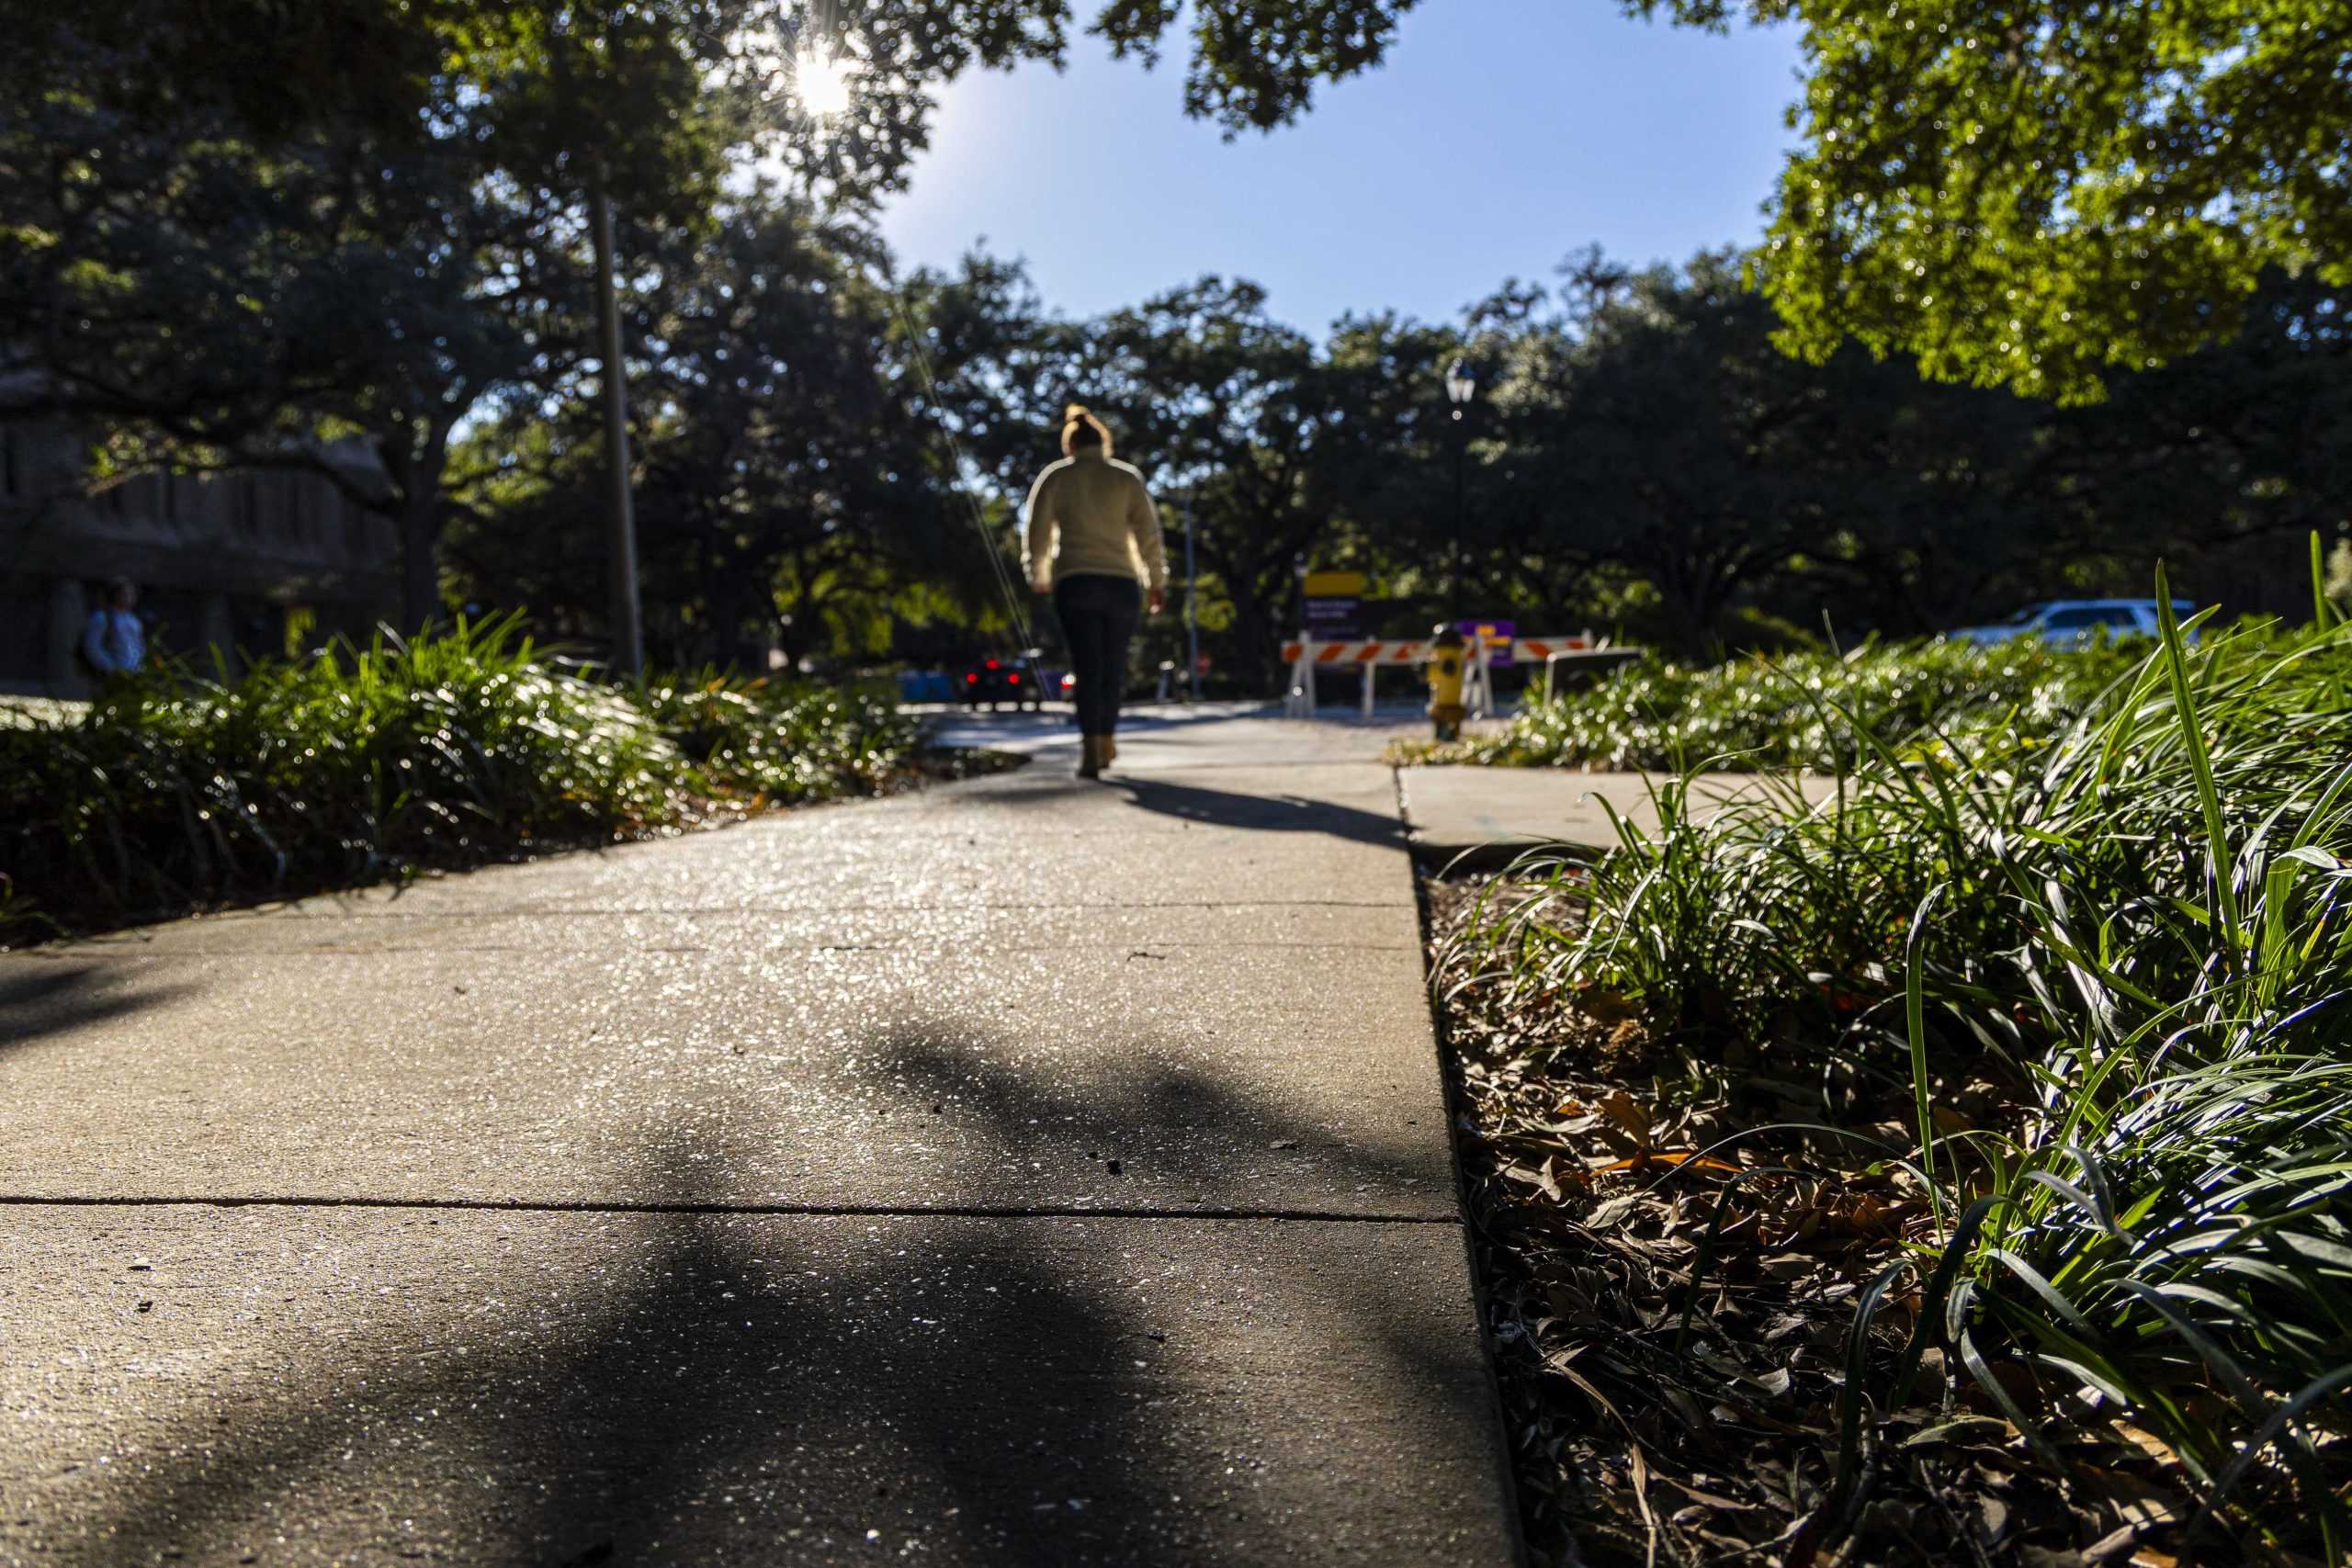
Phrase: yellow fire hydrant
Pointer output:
(1448, 661)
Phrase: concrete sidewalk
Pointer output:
(1023, 1171)
(1475, 818)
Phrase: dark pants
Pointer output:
(1098, 616)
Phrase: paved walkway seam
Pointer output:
(371, 949)
(841, 1211)
(566, 911)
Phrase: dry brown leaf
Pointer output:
(1711, 1499)
(2147, 1443)
(1628, 1114)
(1603, 1005)
(2135, 1500)
(1648, 1158)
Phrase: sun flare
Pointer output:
(823, 81)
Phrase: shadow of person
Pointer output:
(1261, 813)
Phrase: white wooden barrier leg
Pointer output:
(1370, 672)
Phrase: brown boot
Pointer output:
(1091, 766)
(1110, 751)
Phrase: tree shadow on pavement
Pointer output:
(39, 998)
(713, 1385)
(1166, 1128)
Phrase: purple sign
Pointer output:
(1500, 636)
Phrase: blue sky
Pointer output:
(1500, 135)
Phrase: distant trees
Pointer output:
(1657, 433)
(230, 234)
(2036, 196)
(787, 493)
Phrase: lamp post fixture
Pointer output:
(1461, 389)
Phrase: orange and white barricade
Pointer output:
(1307, 658)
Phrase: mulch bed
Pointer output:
(1671, 1288)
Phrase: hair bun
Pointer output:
(1081, 428)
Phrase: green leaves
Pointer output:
(2128, 910)
(2040, 196)
(2217, 839)
(362, 764)
(1810, 710)
(1256, 63)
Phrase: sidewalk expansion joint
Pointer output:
(330, 950)
(1260, 767)
(810, 1210)
(565, 911)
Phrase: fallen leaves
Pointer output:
(1671, 1287)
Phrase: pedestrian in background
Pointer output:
(1094, 545)
(114, 642)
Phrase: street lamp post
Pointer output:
(628, 640)
(1191, 619)
(1461, 388)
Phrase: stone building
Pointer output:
(240, 565)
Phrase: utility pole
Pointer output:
(628, 639)
(1460, 503)
(1192, 620)
(1460, 390)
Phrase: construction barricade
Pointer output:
(1306, 659)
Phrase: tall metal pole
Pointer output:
(628, 639)
(1192, 622)
(1460, 503)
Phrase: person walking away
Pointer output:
(114, 642)
(1094, 545)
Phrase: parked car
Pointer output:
(926, 686)
(995, 680)
(2074, 621)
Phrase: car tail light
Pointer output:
(992, 663)
(1070, 680)
(971, 680)
(1014, 678)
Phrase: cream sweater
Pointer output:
(1090, 514)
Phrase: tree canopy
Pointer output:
(2037, 195)
(226, 241)
(2027, 196)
